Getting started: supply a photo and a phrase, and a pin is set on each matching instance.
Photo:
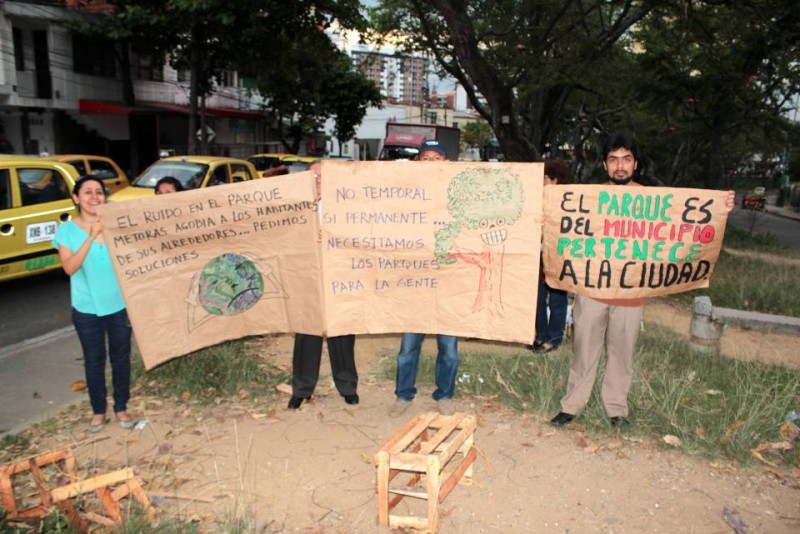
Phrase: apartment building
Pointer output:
(63, 93)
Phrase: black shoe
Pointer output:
(351, 399)
(621, 423)
(537, 346)
(295, 402)
(562, 419)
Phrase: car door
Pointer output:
(34, 200)
(240, 172)
(218, 175)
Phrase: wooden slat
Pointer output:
(422, 423)
(432, 480)
(383, 487)
(19, 466)
(442, 434)
(409, 493)
(400, 434)
(91, 484)
(453, 479)
(407, 521)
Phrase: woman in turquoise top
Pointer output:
(98, 309)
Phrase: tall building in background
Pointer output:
(401, 79)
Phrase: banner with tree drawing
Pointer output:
(631, 242)
(429, 247)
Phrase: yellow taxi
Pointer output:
(264, 162)
(191, 171)
(35, 197)
(101, 167)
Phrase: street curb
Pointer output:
(32, 343)
(758, 321)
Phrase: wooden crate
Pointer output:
(52, 492)
(425, 460)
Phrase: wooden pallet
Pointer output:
(52, 492)
(425, 460)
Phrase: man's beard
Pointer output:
(621, 181)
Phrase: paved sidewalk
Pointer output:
(788, 212)
(36, 376)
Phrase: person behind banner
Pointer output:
(307, 356)
(168, 184)
(411, 344)
(98, 309)
(551, 305)
(614, 323)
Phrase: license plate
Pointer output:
(39, 232)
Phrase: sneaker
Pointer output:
(398, 408)
(446, 406)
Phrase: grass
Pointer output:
(224, 370)
(752, 284)
(768, 243)
(718, 407)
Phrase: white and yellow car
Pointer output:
(35, 197)
(191, 171)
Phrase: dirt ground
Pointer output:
(312, 470)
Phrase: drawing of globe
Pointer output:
(230, 284)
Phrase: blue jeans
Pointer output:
(408, 363)
(550, 330)
(92, 330)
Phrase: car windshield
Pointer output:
(298, 166)
(262, 163)
(189, 174)
(399, 152)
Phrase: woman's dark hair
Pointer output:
(619, 140)
(558, 170)
(174, 182)
(88, 178)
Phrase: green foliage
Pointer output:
(476, 133)
(484, 198)
(222, 370)
(737, 238)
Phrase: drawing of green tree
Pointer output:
(484, 204)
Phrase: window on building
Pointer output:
(19, 51)
(90, 56)
(147, 67)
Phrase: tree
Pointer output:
(476, 133)
(210, 36)
(520, 61)
(304, 89)
(717, 82)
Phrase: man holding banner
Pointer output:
(411, 344)
(615, 322)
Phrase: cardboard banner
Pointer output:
(429, 247)
(631, 242)
(204, 266)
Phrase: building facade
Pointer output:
(63, 93)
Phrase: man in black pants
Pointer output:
(307, 357)
(306, 361)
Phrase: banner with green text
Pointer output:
(620, 242)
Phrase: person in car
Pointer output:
(98, 309)
(168, 184)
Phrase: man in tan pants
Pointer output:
(615, 322)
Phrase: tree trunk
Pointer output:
(194, 73)
(714, 169)
(203, 132)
